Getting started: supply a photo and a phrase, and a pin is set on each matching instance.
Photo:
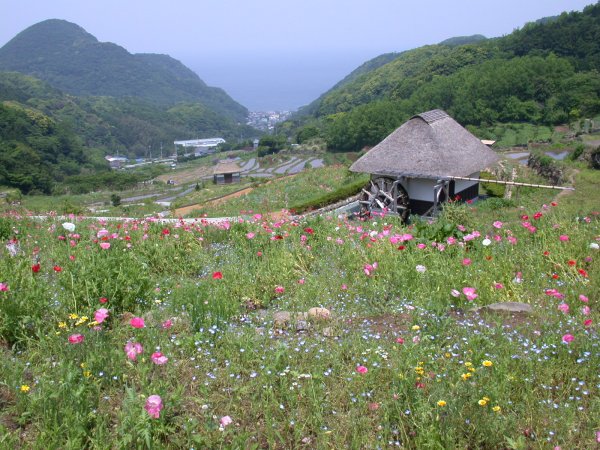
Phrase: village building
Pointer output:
(415, 169)
(116, 162)
(226, 172)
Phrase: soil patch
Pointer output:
(188, 209)
(385, 324)
(187, 176)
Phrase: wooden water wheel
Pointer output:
(384, 194)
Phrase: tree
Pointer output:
(115, 200)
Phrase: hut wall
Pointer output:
(467, 190)
(420, 189)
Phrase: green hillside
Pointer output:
(545, 73)
(70, 59)
(78, 131)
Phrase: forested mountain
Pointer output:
(47, 136)
(70, 59)
(546, 72)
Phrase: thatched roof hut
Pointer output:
(430, 145)
(412, 169)
(226, 172)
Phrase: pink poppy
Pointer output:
(563, 237)
(497, 224)
(101, 315)
(217, 275)
(250, 235)
(586, 310)
(137, 322)
(470, 293)
(568, 338)
(225, 420)
(158, 358)
(104, 245)
(279, 289)
(563, 307)
(132, 349)
(498, 286)
(583, 298)
(76, 338)
(3, 287)
(153, 406)
(167, 324)
(362, 369)
(454, 293)
(466, 262)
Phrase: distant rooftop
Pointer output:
(210, 142)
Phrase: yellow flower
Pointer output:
(25, 388)
(487, 363)
(441, 403)
(87, 373)
(73, 316)
(448, 355)
(482, 402)
(471, 369)
(93, 323)
(487, 399)
(468, 364)
(466, 376)
(496, 408)
(62, 325)
(416, 327)
(83, 365)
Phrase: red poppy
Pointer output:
(309, 230)
(103, 300)
(217, 275)
(572, 262)
(583, 273)
(57, 269)
(555, 276)
(546, 253)
(35, 268)
(402, 247)
(165, 231)
(537, 215)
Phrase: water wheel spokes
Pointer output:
(384, 194)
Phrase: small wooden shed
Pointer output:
(412, 169)
(226, 172)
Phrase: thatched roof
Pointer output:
(224, 167)
(429, 145)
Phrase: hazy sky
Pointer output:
(278, 54)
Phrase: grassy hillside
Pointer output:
(142, 334)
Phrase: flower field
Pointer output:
(141, 334)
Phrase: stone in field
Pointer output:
(319, 313)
